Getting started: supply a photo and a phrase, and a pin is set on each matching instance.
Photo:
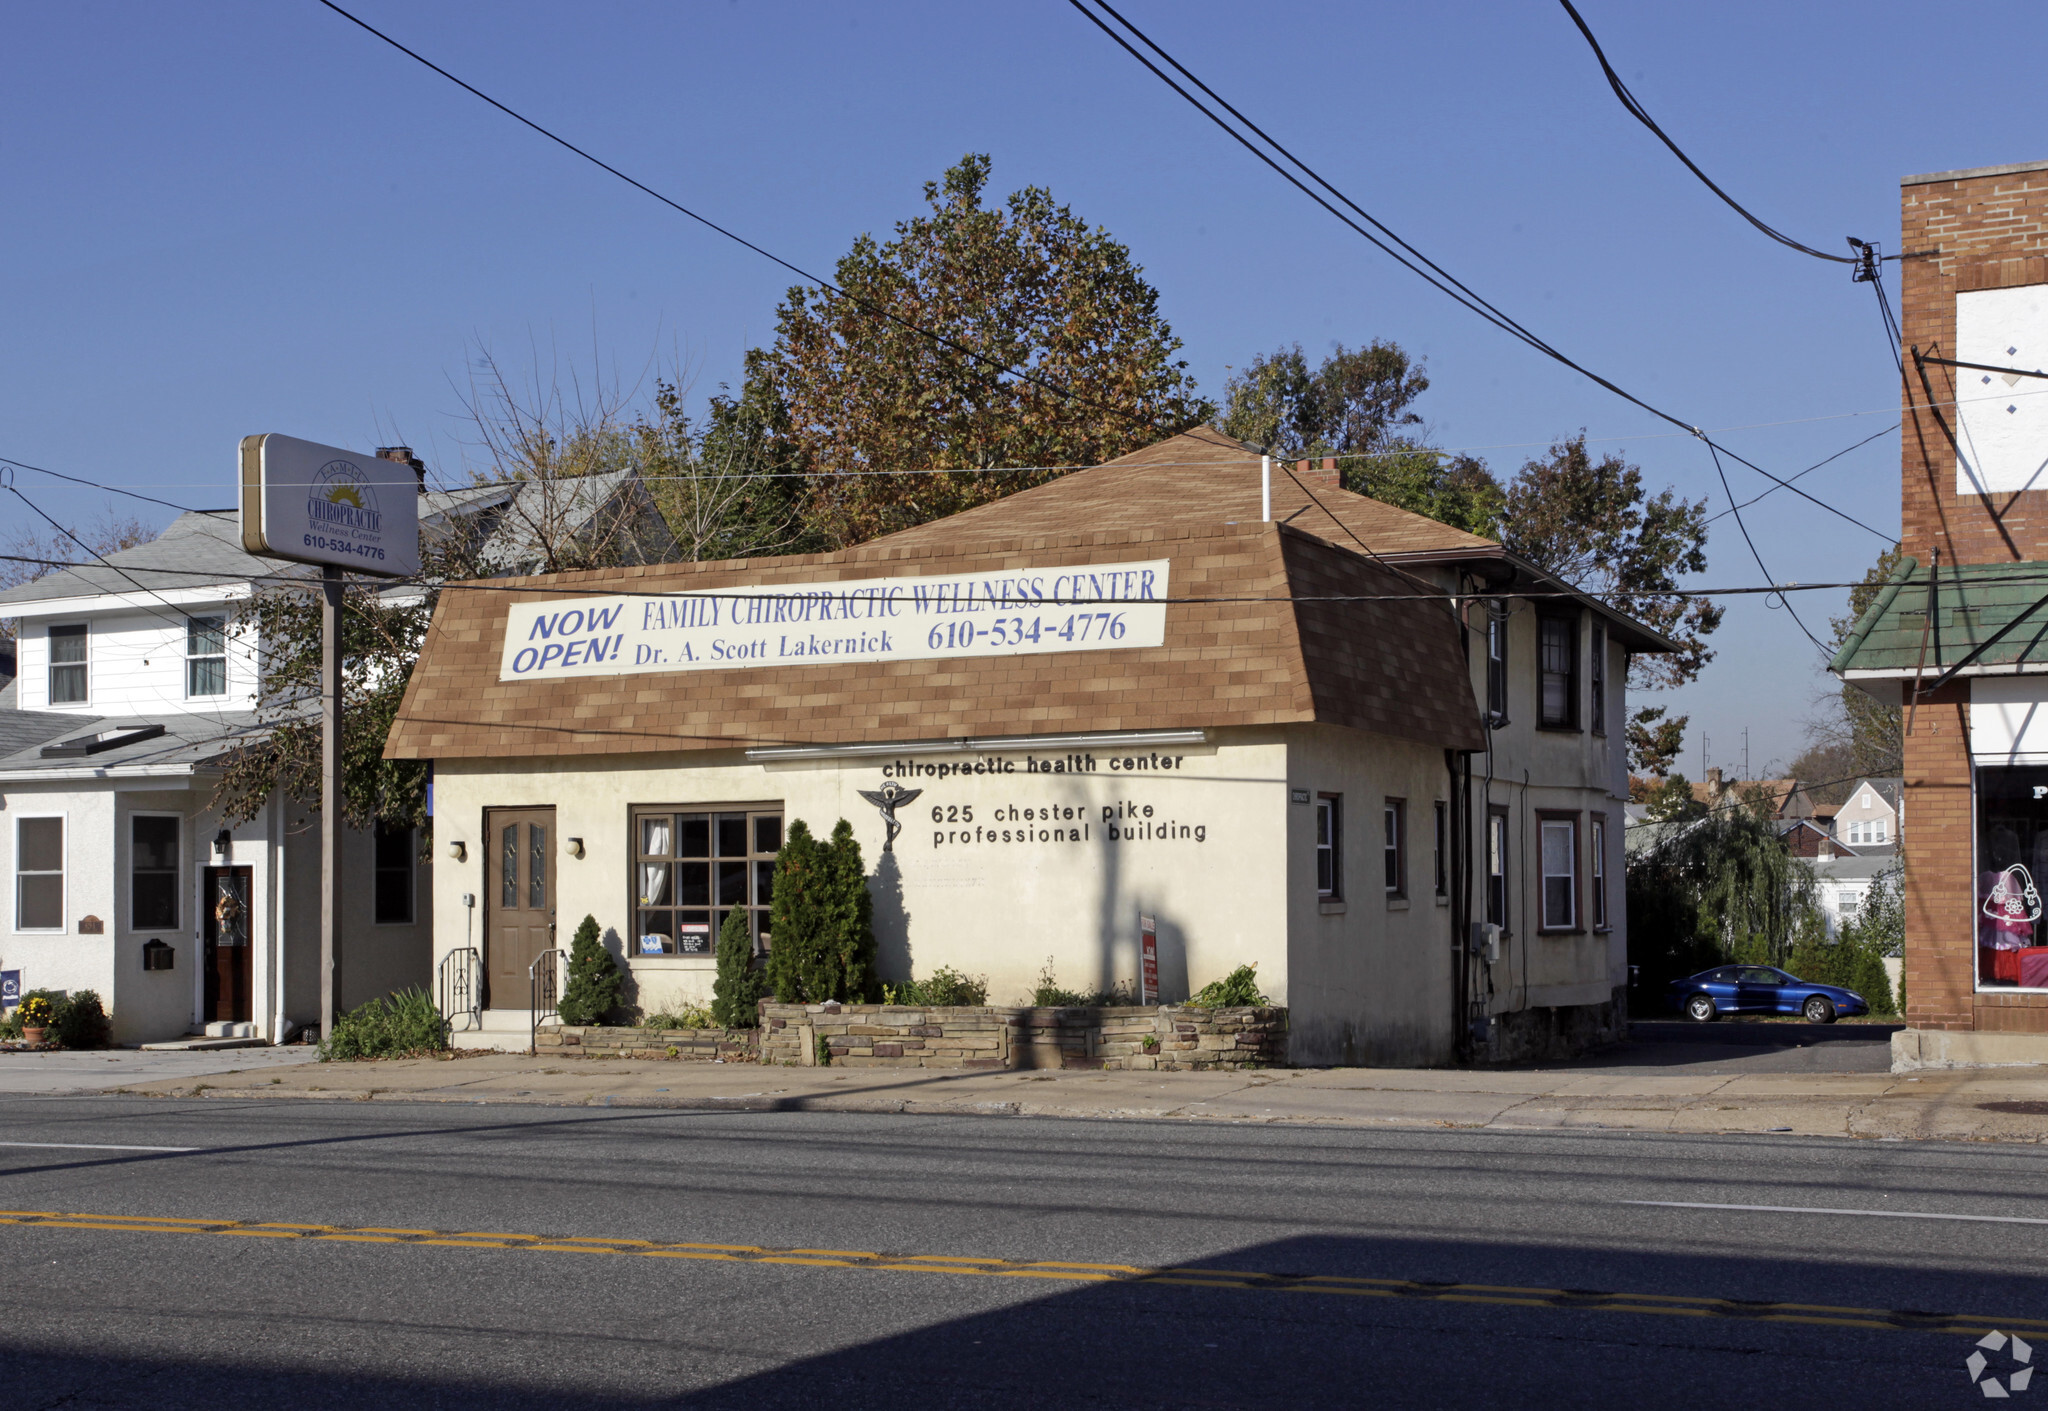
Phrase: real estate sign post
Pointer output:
(342, 510)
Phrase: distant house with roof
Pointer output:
(135, 681)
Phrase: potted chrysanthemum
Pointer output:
(35, 1016)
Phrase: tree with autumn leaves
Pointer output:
(979, 337)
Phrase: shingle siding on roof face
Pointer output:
(1971, 603)
(1381, 666)
(1199, 478)
(1393, 666)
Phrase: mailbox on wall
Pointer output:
(157, 956)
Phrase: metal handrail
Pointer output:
(544, 976)
(458, 976)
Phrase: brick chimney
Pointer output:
(1319, 478)
(404, 456)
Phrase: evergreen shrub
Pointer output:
(736, 993)
(594, 979)
(821, 920)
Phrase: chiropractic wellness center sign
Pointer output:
(1010, 612)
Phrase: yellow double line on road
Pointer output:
(1230, 1280)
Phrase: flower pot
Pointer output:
(33, 1033)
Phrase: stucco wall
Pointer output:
(954, 892)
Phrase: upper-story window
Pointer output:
(1558, 670)
(206, 656)
(1497, 665)
(1599, 678)
(67, 665)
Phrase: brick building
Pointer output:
(1959, 637)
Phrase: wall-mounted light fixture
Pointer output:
(223, 845)
(575, 847)
(459, 851)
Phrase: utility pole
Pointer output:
(342, 512)
(330, 793)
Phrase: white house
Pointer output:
(135, 682)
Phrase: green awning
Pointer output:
(1911, 630)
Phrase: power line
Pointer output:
(1000, 368)
(1446, 283)
(304, 579)
(111, 489)
(1785, 602)
(1641, 114)
(1806, 472)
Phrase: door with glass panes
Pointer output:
(519, 907)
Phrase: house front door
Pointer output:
(519, 912)
(228, 951)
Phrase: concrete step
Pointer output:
(223, 1029)
(510, 1029)
(204, 1044)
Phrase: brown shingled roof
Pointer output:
(1391, 666)
(1200, 477)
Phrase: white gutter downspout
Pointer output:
(277, 915)
(1265, 489)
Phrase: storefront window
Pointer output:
(693, 867)
(2012, 853)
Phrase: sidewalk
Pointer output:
(1970, 1105)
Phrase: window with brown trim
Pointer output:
(1557, 693)
(692, 867)
(1557, 852)
(1599, 660)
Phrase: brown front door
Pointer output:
(519, 887)
(228, 950)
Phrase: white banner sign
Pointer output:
(1012, 612)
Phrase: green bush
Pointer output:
(944, 987)
(402, 1025)
(689, 1017)
(822, 920)
(80, 1021)
(736, 993)
(594, 979)
(1050, 994)
(1239, 988)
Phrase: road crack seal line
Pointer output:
(1071, 1271)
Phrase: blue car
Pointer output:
(1761, 989)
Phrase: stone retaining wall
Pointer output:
(1166, 1038)
(604, 1041)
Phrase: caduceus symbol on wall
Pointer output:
(888, 799)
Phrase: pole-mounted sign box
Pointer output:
(319, 504)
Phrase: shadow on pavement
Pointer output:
(1525, 1328)
(1742, 1046)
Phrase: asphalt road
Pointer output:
(1395, 1269)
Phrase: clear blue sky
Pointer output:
(224, 218)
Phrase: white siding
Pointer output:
(135, 663)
